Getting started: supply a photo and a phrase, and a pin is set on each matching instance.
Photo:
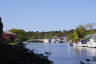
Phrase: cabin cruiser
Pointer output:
(81, 43)
(92, 43)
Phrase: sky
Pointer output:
(47, 15)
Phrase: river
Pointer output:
(61, 53)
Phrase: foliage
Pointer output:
(1, 26)
(45, 35)
(19, 55)
(1, 29)
(80, 31)
(73, 34)
(21, 34)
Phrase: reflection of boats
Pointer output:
(68, 44)
(91, 51)
(71, 44)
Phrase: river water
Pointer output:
(62, 53)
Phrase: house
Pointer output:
(55, 40)
(58, 39)
(89, 36)
(45, 40)
(63, 39)
(8, 36)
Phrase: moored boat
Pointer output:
(92, 43)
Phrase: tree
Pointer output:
(21, 34)
(1, 26)
(80, 31)
(75, 36)
(1, 29)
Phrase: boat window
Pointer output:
(83, 41)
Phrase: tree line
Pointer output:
(73, 35)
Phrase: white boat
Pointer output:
(79, 44)
(45, 40)
(24, 42)
(94, 44)
(82, 43)
(91, 43)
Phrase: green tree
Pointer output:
(81, 31)
(21, 34)
(75, 36)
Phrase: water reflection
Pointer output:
(61, 53)
(85, 50)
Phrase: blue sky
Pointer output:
(45, 15)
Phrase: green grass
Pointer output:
(13, 43)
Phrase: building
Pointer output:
(63, 39)
(45, 40)
(89, 36)
(58, 39)
(8, 37)
(55, 40)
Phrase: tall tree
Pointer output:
(80, 31)
(1, 26)
(1, 29)
(21, 34)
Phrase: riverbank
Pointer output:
(19, 55)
